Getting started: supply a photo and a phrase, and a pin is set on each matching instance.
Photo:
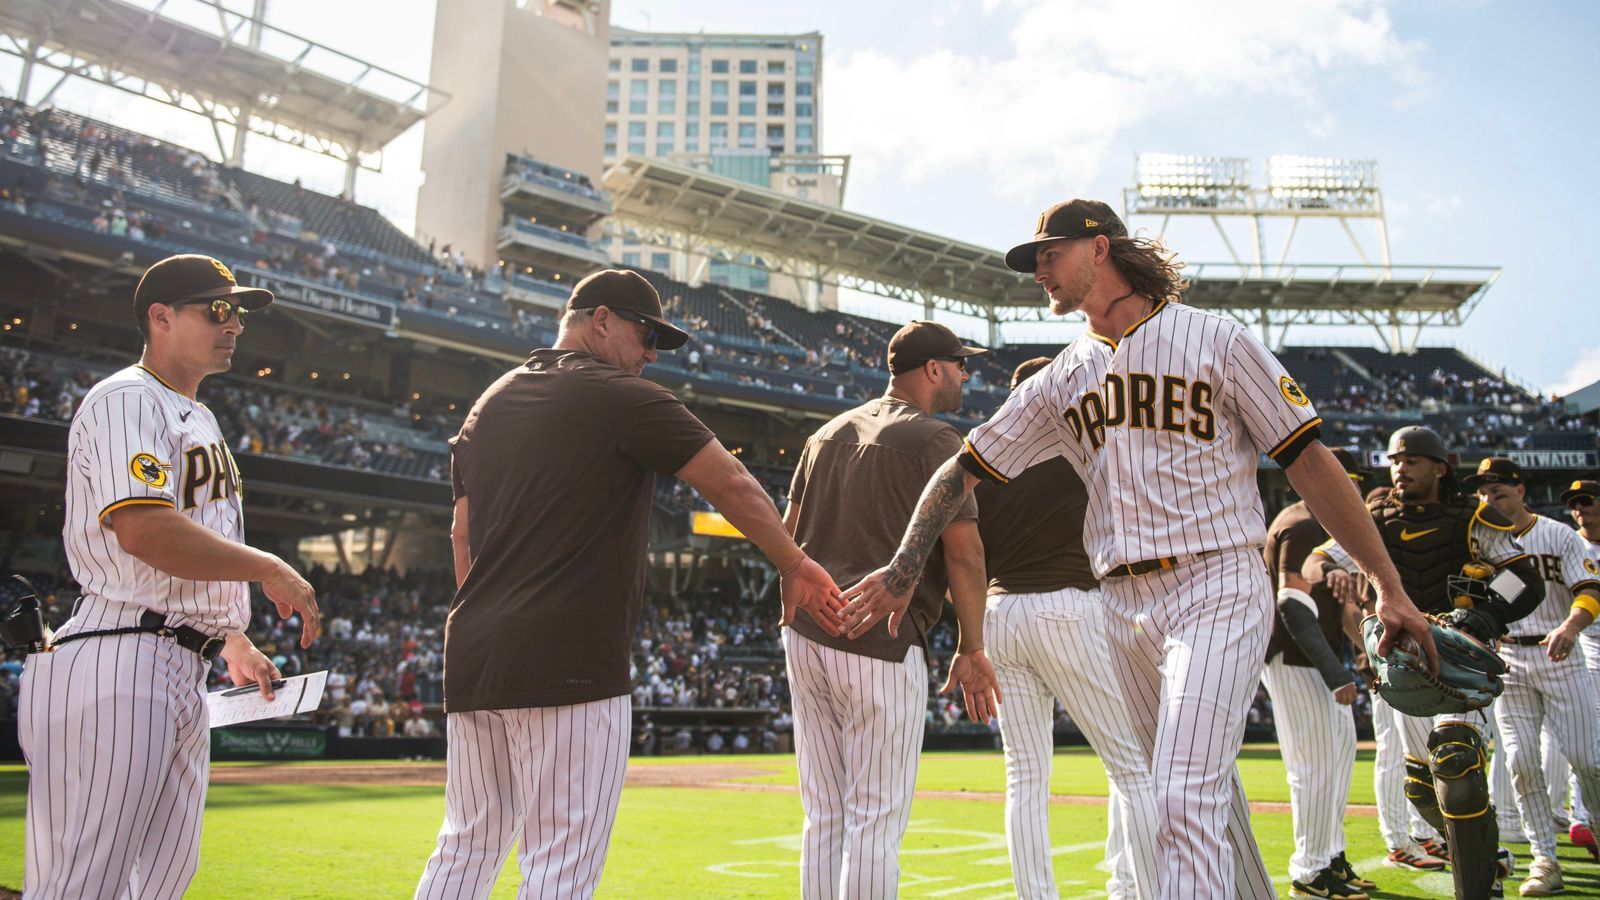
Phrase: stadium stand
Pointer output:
(700, 649)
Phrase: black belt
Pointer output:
(1143, 567)
(1524, 640)
(153, 622)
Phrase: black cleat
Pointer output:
(1342, 869)
(1326, 884)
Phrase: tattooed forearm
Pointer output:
(940, 501)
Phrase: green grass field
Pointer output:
(345, 840)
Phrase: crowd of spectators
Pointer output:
(258, 419)
(382, 644)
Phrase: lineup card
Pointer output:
(302, 693)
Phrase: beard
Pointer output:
(1417, 492)
(1072, 293)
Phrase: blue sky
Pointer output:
(966, 119)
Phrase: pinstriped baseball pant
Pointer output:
(116, 735)
(1555, 761)
(1544, 693)
(1318, 739)
(1052, 646)
(551, 775)
(1188, 645)
(1397, 818)
(858, 724)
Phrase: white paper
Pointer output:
(302, 693)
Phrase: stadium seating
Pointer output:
(345, 223)
(178, 201)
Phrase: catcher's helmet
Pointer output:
(1420, 441)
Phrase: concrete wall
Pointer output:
(524, 77)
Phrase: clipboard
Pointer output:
(300, 694)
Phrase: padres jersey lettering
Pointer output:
(136, 441)
(1561, 557)
(1181, 405)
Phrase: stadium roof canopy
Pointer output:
(230, 67)
(701, 213)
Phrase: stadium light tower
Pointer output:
(1398, 301)
(1297, 187)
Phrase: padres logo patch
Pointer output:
(149, 470)
(1292, 392)
(223, 271)
(1592, 566)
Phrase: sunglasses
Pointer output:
(652, 333)
(219, 310)
(960, 361)
(1582, 501)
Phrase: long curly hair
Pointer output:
(1150, 268)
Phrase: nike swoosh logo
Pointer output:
(184, 416)
(1407, 535)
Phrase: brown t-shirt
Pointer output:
(855, 489)
(1032, 530)
(1291, 537)
(558, 461)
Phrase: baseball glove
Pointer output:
(1469, 672)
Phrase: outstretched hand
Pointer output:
(809, 587)
(292, 594)
(871, 600)
(1401, 617)
(979, 685)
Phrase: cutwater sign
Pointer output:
(1554, 459)
(321, 298)
(269, 743)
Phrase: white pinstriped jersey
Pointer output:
(1562, 558)
(135, 440)
(1165, 427)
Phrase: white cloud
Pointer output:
(1076, 73)
(1580, 374)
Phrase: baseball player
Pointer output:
(1311, 693)
(1411, 841)
(1585, 512)
(553, 472)
(1545, 685)
(1046, 635)
(1460, 559)
(113, 719)
(859, 703)
(1163, 410)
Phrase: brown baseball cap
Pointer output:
(919, 341)
(1067, 220)
(192, 276)
(1583, 487)
(1351, 466)
(1494, 470)
(1028, 369)
(622, 289)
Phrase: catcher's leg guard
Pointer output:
(1420, 791)
(1461, 779)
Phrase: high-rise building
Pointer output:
(702, 93)
(744, 106)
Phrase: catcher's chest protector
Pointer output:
(1428, 542)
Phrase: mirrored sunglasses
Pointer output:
(218, 310)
